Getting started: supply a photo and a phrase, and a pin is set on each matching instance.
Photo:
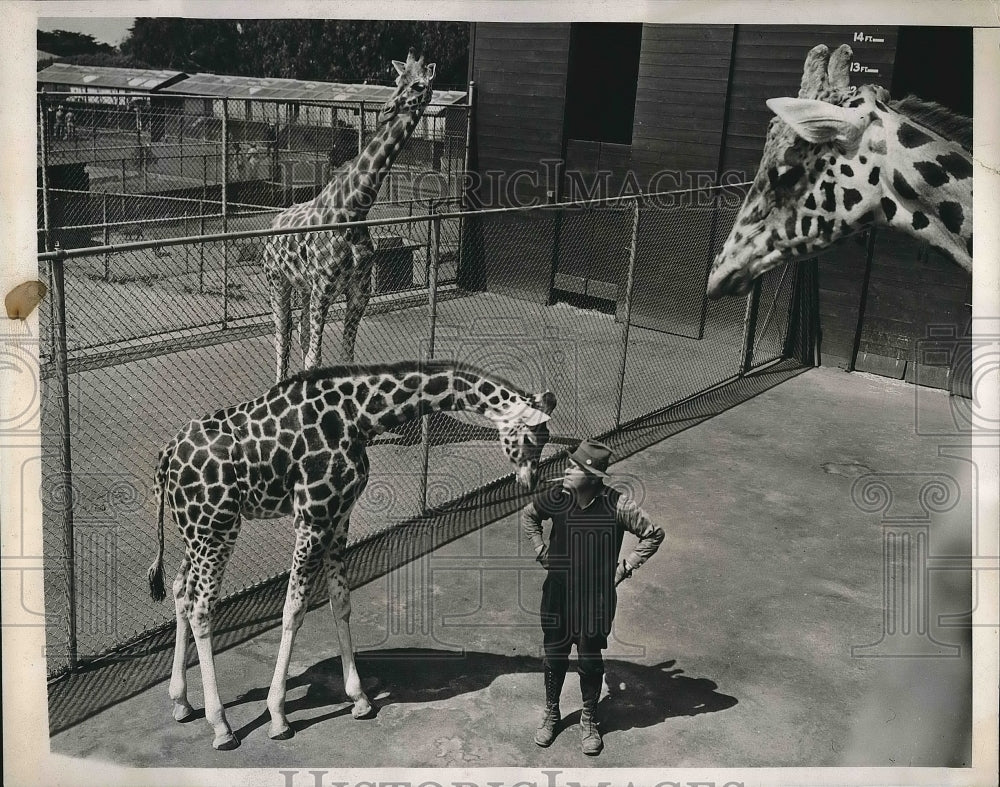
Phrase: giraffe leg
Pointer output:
(359, 290)
(203, 595)
(178, 674)
(281, 310)
(305, 321)
(340, 605)
(320, 305)
(310, 544)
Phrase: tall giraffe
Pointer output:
(300, 449)
(322, 266)
(839, 160)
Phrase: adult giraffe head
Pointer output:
(838, 160)
(414, 87)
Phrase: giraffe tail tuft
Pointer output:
(156, 587)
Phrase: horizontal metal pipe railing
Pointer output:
(621, 201)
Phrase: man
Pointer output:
(589, 521)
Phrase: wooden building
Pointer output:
(666, 107)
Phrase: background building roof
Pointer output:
(96, 77)
(225, 86)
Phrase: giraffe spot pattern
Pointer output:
(911, 137)
(956, 165)
(902, 187)
(851, 198)
(888, 208)
(825, 227)
(846, 170)
(952, 216)
(873, 176)
(810, 202)
(806, 224)
(920, 220)
(790, 224)
(933, 174)
(829, 197)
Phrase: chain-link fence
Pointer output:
(141, 337)
(120, 168)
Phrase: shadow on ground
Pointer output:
(639, 695)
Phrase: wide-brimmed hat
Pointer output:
(593, 457)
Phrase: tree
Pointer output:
(334, 51)
(65, 43)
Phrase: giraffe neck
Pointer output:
(386, 397)
(350, 195)
(925, 180)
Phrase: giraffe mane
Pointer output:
(401, 367)
(937, 118)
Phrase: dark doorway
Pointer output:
(601, 84)
(935, 63)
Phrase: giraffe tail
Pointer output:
(156, 586)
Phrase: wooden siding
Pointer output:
(767, 62)
(676, 143)
(699, 109)
(520, 74)
(681, 98)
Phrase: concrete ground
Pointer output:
(732, 646)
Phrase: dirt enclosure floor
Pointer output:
(751, 639)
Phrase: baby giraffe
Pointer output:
(299, 450)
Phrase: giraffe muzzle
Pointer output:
(527, 475)
(735, 282)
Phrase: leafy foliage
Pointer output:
(327, 50)
(64, 43)
(109, 59)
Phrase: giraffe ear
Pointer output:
(431, 69)
(816, 121)
(399, 66)
(533, 417)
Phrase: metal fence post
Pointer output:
(106, 235)
(361, 127)
(629, 283)
(432, 277)
(201, 249)
(57, 311)
(46, 226)
(464, 204)
(225, 212)
(865, 284)
(750, 328)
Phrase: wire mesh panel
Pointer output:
(159, 332)
(122, 168)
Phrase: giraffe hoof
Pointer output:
(183, 712)
(281, 733)
(226, 742)
(363, 709)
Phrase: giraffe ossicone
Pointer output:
(299, 450)
(838, 160)
(323, 266)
